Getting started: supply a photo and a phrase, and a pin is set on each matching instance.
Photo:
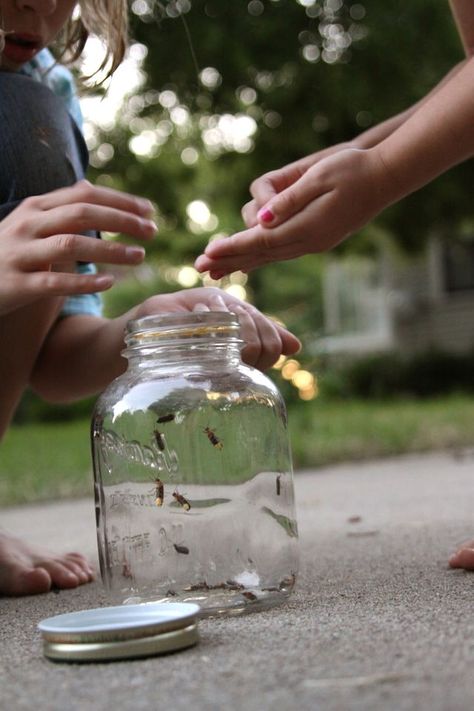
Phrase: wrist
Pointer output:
(387, 188)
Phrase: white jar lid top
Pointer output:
(125, 631)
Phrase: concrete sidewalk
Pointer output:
(378, 621)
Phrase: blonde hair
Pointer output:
(108, 20)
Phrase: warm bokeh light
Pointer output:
(279, 364)
(187, 277)
(290, 368)
(308, 393)
(201, 218)
(237, 290)
(302, 379)
(198, 212)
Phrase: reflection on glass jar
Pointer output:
(193, 474)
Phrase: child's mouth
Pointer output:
(20, 48)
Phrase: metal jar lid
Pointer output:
(122, 632)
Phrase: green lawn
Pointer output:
(51, 461)
(328, 432)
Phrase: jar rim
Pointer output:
(181, 323)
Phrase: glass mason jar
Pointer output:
(193, 474)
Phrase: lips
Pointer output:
(20, 48)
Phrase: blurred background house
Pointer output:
(405, 303)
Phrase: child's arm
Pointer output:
(264, 188)
(82, 353)
(338, 195)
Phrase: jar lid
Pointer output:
(121, 632)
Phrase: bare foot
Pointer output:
(464, 557)
(26, 570)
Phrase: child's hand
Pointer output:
(39, 242)
(333, 198)
(264, 339)
(264, 188)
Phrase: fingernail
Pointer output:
(265, 215)
(146, 207)
(150, 225)
(135, 252)
(103, 281)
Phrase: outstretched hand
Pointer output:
(39, 242)
(270, 184)
(265, 340)
(329, 200)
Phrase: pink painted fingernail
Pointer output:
(265, 215)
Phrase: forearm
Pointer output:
(378, 133)
(439, 135)
(80, 357)
(463, 12)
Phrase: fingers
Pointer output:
(44, 284)
(290, 201)
(81, 217)
(270, 184)
(266, 188)
(249, 213)
(80, 208)
(83, 191)
(247, 250)
(264, 340)
(65, 248)
(315, 228)
(201, 307)
(290, 344)
(263, 344)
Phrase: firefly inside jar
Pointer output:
(193, 474)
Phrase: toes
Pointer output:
(80, 566)
(24, 570)
(79, 571)
(63, 574)
(463, 558)
(25, 581)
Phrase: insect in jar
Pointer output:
(126, 572)
(159, 492)
(278, 485)
(182, 501)
(165, 418)
(249, 595)
(181, 549)
(288, 582)
(98, 424)
(213, 438)
(159, 440)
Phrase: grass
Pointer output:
(52, 461)
(45, 461)
(330, 432)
